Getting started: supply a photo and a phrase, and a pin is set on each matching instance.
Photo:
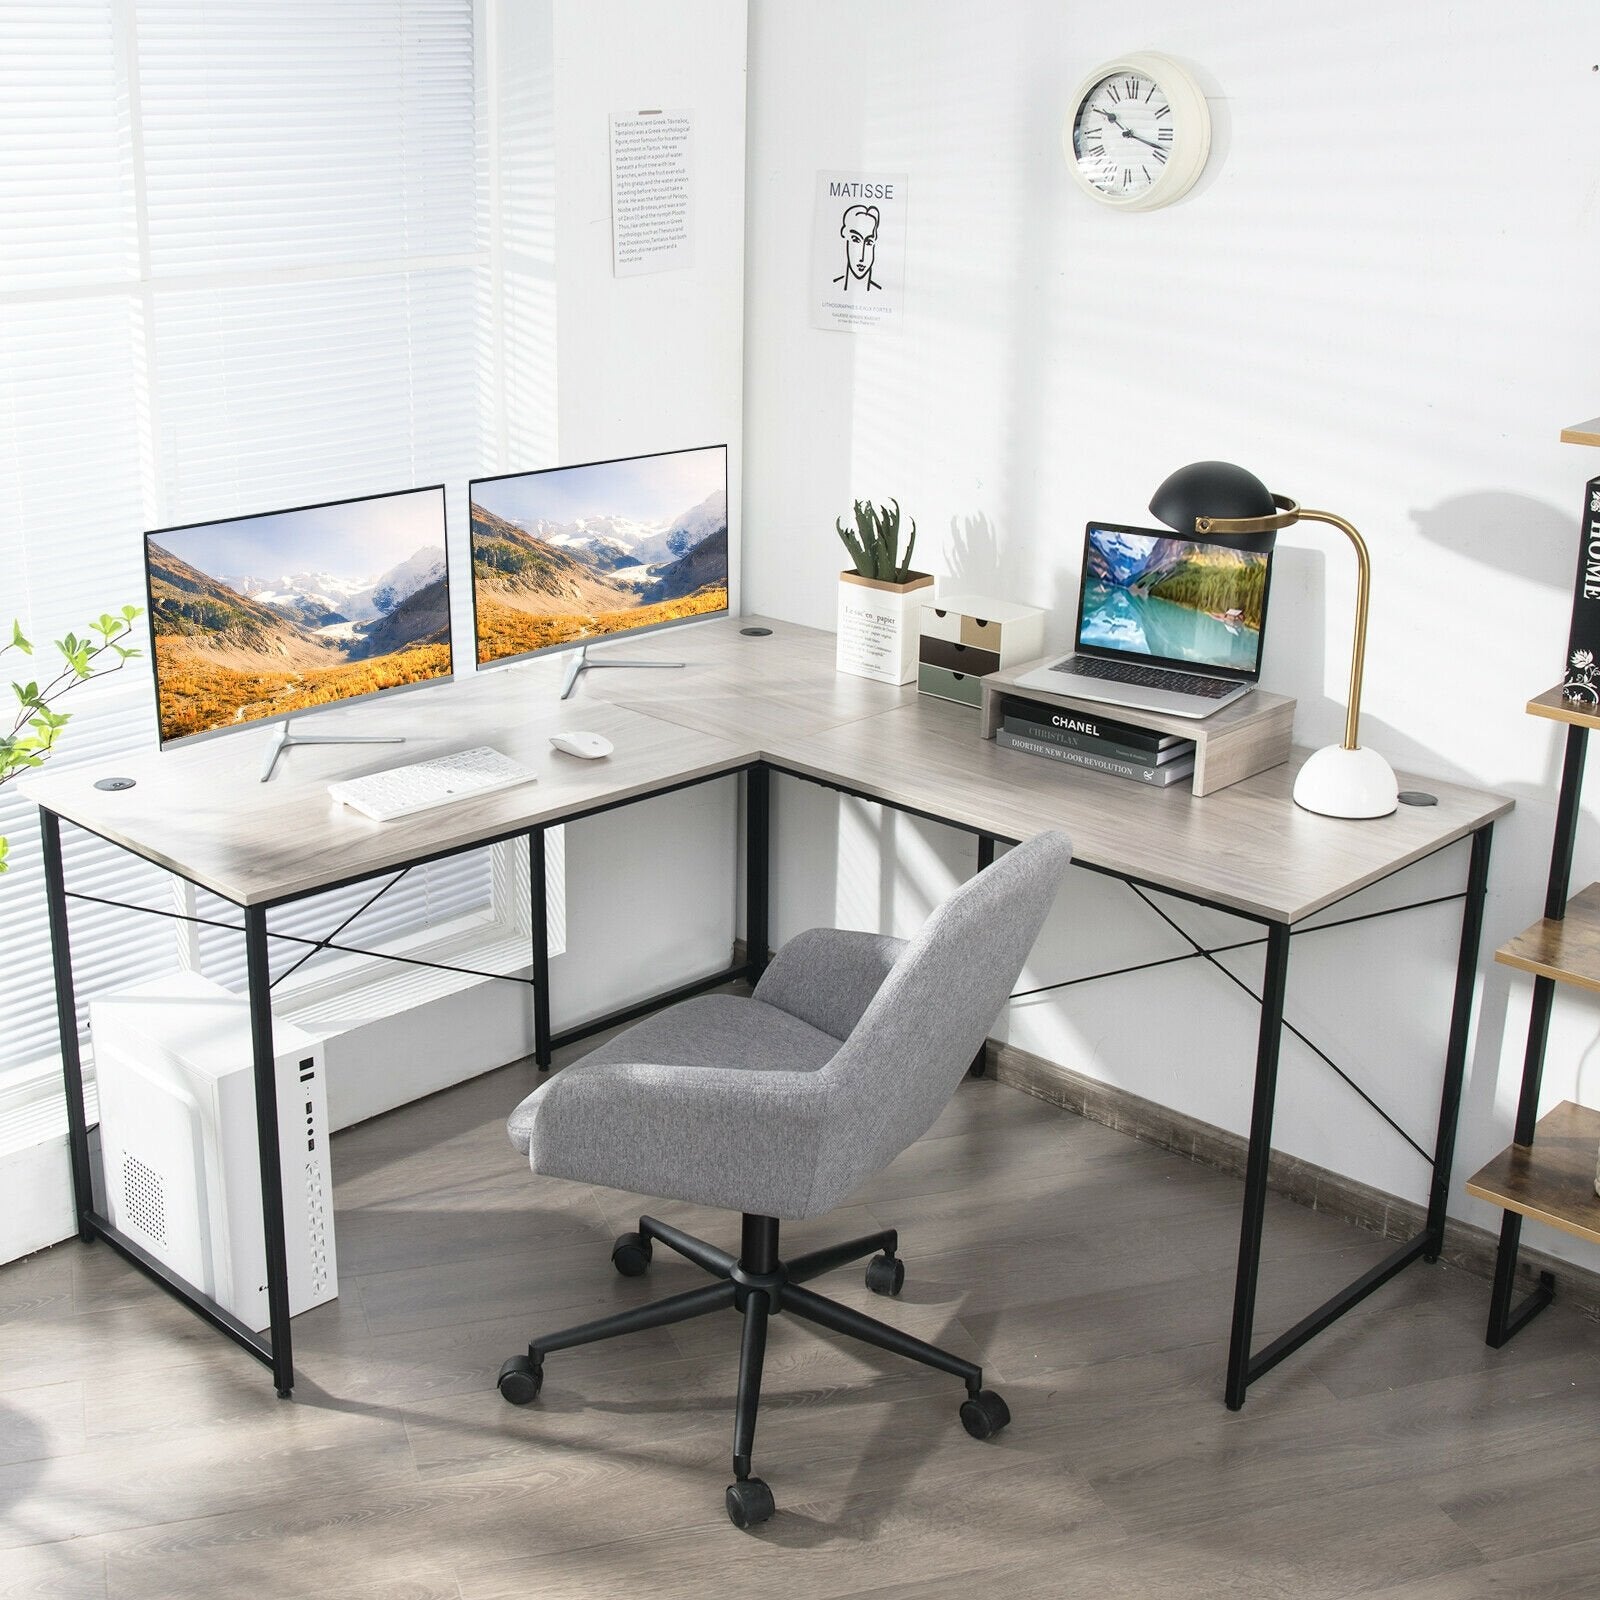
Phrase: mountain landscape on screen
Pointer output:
(1215, 579)
(232, 649)
(544, 580)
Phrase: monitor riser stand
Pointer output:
(283, 740)
(581, 663)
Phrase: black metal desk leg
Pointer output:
(986, 844)
(757, 851)
(1268, 1043)
(1455, 1061)
(266, 1079)
(55, 886)
(539, 916)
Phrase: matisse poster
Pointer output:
(858, 251)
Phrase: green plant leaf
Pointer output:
(17, 639)
(911, 544)
(858, 554)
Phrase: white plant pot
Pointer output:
(880, 624)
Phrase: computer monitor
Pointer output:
(573, 555)
(256, 618)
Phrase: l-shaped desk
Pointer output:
(750, 705)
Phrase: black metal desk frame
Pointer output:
(1243, 1368)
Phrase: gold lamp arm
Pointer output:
(1288, 514)
(1358, 649)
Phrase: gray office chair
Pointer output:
(780, 1105)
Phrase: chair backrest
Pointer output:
(908, 1053)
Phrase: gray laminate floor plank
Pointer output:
(1397, 1457)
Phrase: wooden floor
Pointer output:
(141, 1455)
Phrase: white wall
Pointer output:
(652, 362)
(648, 363)
(1379, 297)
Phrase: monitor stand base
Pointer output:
(581, 663)
(283, 740)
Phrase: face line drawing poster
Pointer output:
(858, 251)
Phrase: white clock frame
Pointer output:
(1191, 120)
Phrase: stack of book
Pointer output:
(1084, 739)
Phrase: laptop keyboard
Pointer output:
(1145, 677)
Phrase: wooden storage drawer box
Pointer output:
(967, 636)
(966, 687)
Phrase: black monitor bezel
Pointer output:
(304, 711)
(603, 638)
(1176, 663)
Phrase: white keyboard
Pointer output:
(404, 791)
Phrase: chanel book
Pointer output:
(1158, 777)
(1089, 723)
(1118, 751)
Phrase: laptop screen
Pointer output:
(1175, 602)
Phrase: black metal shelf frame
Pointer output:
(1507, 1315)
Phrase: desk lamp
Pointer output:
(1216, 500)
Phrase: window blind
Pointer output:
(244, 265)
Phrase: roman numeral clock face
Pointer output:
(1137, 133)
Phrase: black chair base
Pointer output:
(758, 1285)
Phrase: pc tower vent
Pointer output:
(144, 1198)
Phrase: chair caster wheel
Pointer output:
(749, 1502)
(984, 1414)
(520, 1381)
(630, 1255)
(886, 1274)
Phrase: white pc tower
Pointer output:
(173, 1060)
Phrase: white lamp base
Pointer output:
(1337, 782)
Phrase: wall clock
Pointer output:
(1137, 132)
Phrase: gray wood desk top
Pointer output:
(1248, 846)
(201, 811)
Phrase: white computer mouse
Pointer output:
(590, 746)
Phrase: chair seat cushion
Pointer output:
(712, 1030)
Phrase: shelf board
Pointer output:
(1566, 949)
(1550, 704)
(1551, 1180)
(1582, 432)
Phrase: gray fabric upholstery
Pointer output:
(754, 1104)
(607, 1123)
(827, 976)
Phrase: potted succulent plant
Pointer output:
(881, 600)
(37, 724)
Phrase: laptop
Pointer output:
(1164, 623)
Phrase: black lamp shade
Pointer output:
(1214, 489)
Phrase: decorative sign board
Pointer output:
(650, 192)
(858, 251)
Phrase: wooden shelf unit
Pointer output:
(1554, 705)
(1565, 949)
(1551, 1181)
(1547, 1172)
